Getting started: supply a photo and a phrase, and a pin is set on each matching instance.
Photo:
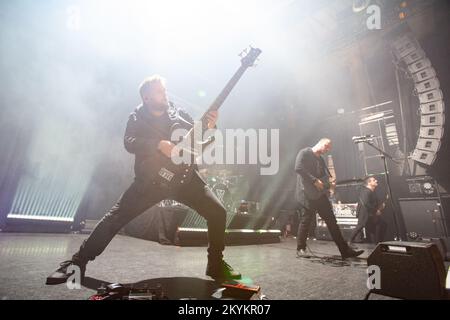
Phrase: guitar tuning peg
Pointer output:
(255, 64)
(244, 52)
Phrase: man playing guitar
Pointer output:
(369, 212)
(147, 134)
(312, 195)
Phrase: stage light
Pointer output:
(403, 10)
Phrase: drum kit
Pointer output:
(226, 187)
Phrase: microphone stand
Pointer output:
(385, 155)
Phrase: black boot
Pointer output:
(220, 270)
(351, 245)
(351, 253)
(62, 274)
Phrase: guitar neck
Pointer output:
(330, 165)
(225, 92)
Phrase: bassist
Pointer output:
(147, 134)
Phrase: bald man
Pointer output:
(312, 195)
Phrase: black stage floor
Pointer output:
(26, 260)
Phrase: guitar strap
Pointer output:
(175, 114)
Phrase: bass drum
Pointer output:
(223, 193)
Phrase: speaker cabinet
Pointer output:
(423, 218)
(409, 270)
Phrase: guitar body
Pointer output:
(328, 187)
(311, 192)
(162, 170)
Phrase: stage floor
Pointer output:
(26, 259)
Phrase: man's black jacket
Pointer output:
(309, 168)
(144, 132)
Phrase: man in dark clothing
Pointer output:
(369, 212)
(148, 132)
(312, 194)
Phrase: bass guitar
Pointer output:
(163, 170)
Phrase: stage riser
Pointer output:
(200, 238)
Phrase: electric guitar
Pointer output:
(329, 179)
(381, 206)
(163, 170)
(378, 212)
(330, 182)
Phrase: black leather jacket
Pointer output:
(144, 131)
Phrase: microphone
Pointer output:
(360, 139)
(367, 136)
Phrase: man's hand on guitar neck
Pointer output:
(332, 186)
(321, 186)
(211, 118)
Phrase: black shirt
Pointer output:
(368, 202)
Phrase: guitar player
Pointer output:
(312, 195)
(148, 132)
(369, 212)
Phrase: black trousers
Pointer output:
(323, 207)
(139, 197)
(312, 225)
(375, 227)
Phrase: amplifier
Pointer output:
(345, 214)
(415, 187)
(423, 218)
(322, 232)
(345, 217)
(345, 210)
